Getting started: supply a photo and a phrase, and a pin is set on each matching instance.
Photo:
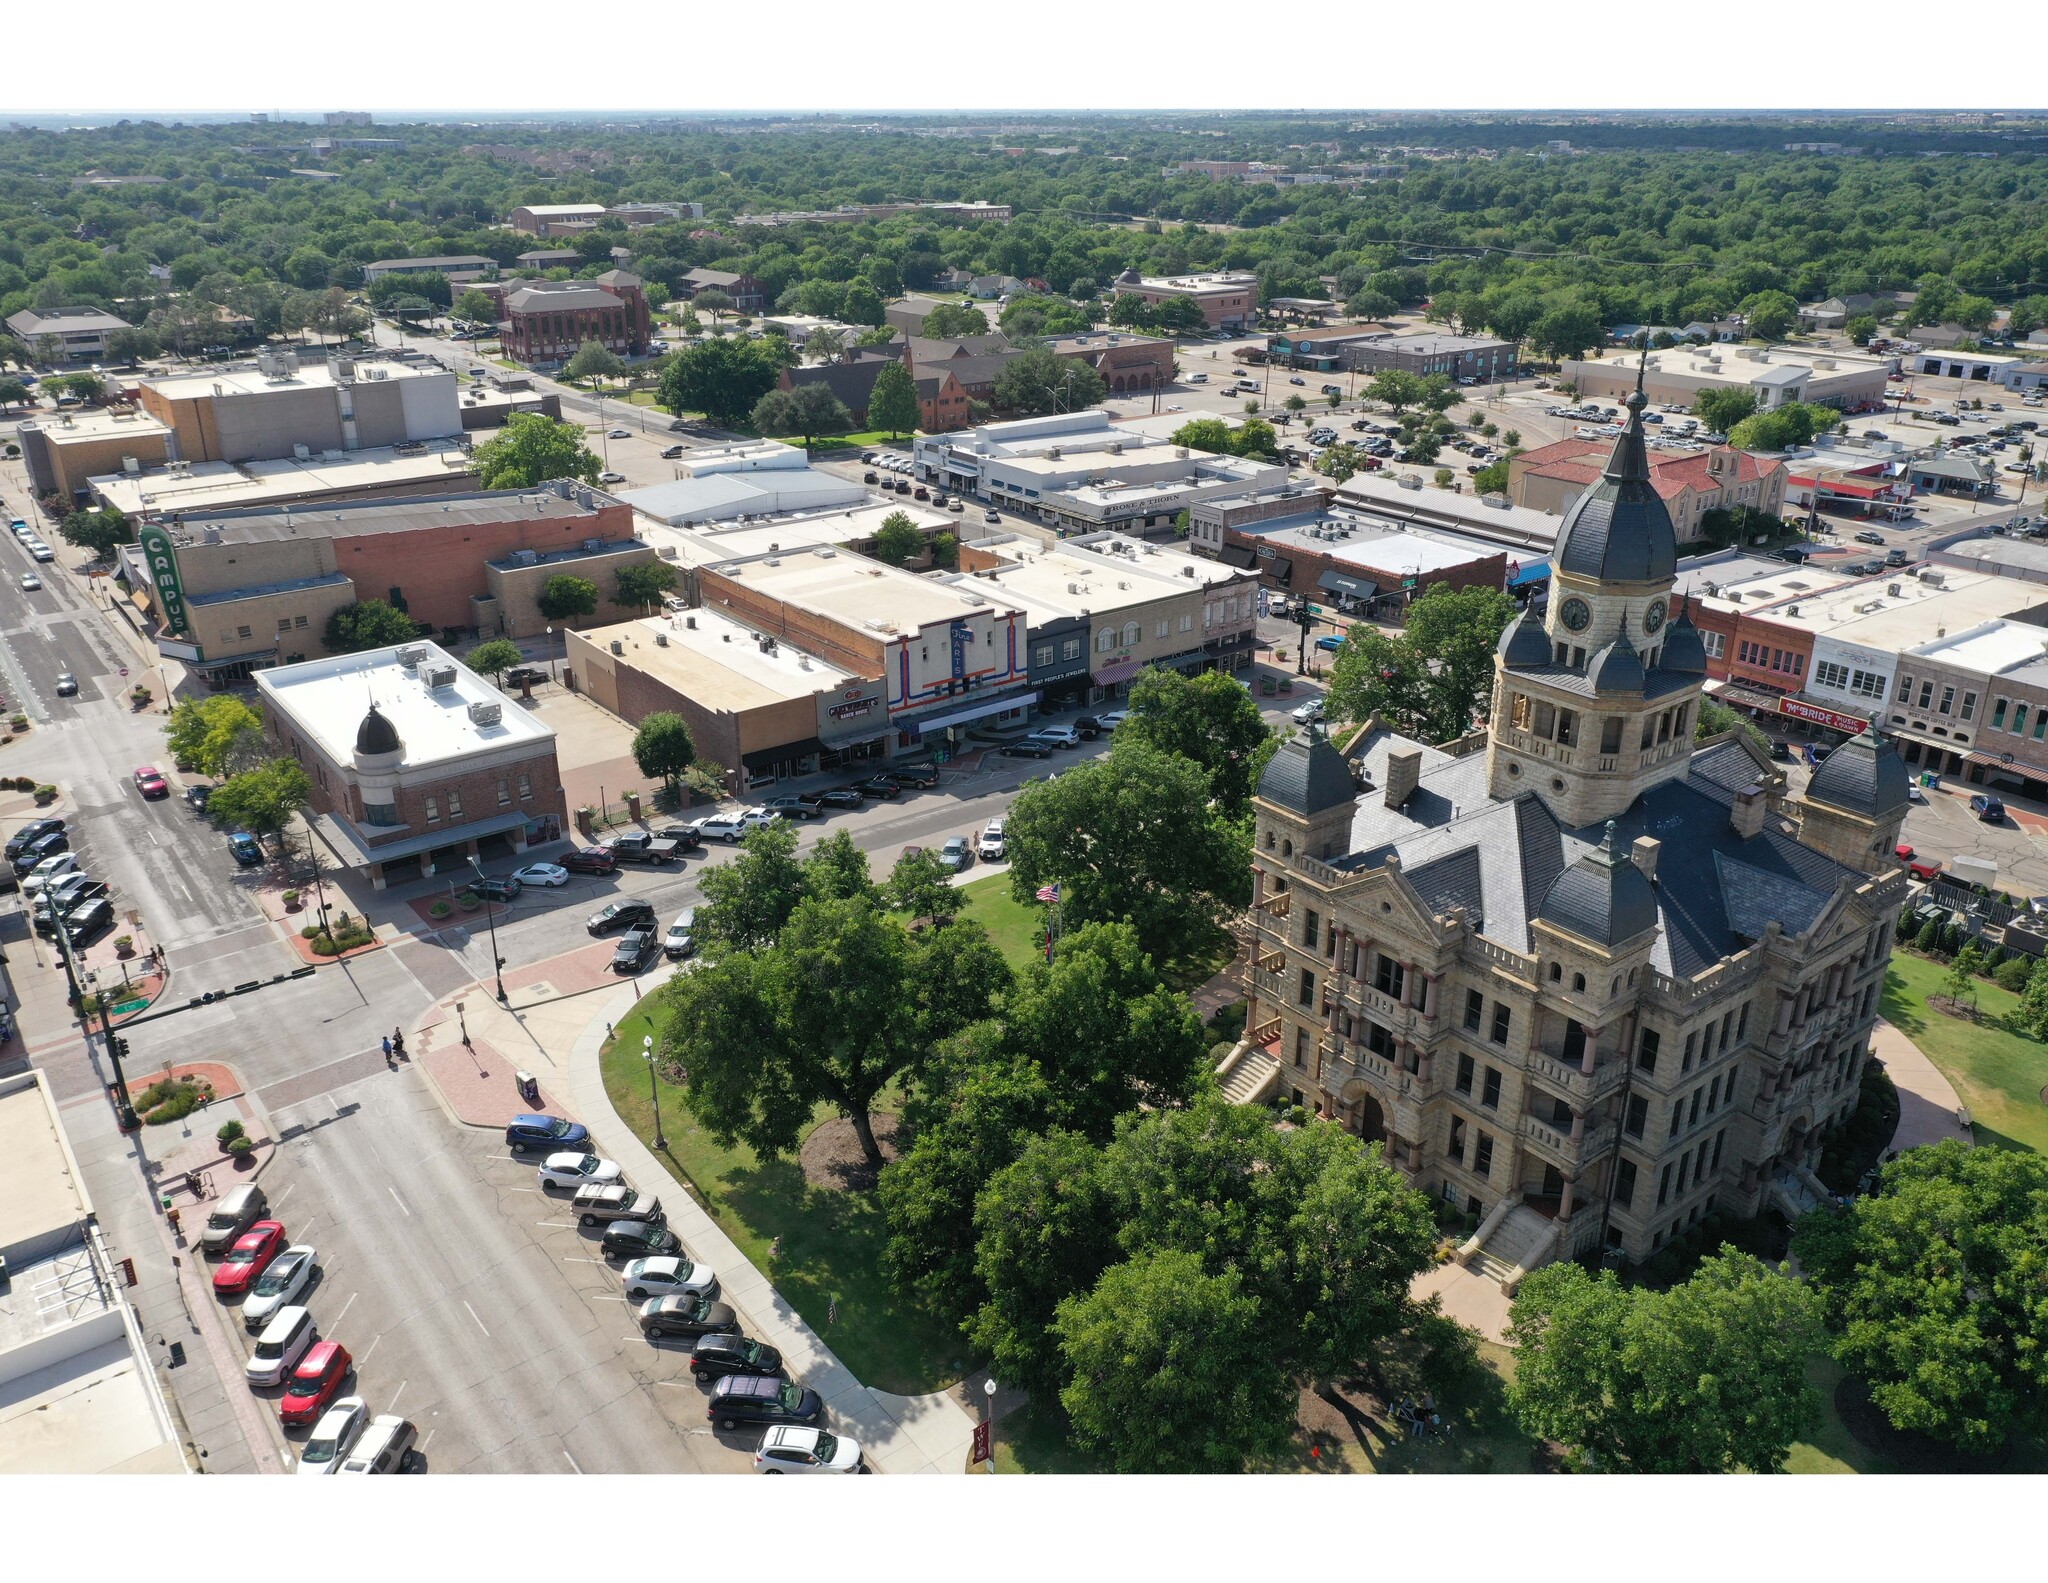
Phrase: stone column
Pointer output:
(1433, 996)
(1783, 1024)
(1564, 1200)
(1592, 1051)
(1578, 1128)
(1258, 886)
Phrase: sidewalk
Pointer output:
(1929, 1106)
(556, 1029)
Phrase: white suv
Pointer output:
(732, 826)
(992, 846)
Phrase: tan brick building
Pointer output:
(1587, 981)
(1690, 484)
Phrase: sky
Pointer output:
(241, 55)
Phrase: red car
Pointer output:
(589, 860)
(249, 1258)
(1923, 868)
(149, 780)
(315, 1382)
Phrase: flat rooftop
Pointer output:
(719, 662)
(328, 698)
(95, 424)
(855, 591)
(722, 496)
(248, 380)
(45, 1195)
(219, 486)
(1211, 282)
(709, 543)
(1867, 612)
(1406, 553)
(348, 518)
(1720, 360)
(1381, 499)
(1760, 583)
(1991, 648)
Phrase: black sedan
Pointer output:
(34, 831)
(639, 1239)
(41, 847)
(686, 1314)
(720, 1354)
(880, 787)
(1029, 748)
(842, 797)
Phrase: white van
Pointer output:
(1198, 379)
(385, 1447)
(283, 1342)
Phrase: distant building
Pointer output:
(1778, 375)
(909, 314)
(459, 268)
(941, 399)
(535, 218)
(1126, 362)
(1692, 484)
(748, 294)
(80, 333)
(545, 321)
(64, 453)
(419, 765)
(346, 118)
(1227, 301)
(284, 407)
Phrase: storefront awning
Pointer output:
(777, 755)
(254, 657)
(1351, 587)
(1534, 572)
(351, 849)
(1121, 671)
(993, 706)
(1238, 555)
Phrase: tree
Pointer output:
(1709, 1377)
(720, 378)
(86, 387)
(1862, 329)
(663, 746)
(945, 548)
(13, 393)
(263, 800)
(493, 659)
(748, 901)
(409, 307)
(1170, 1369)
(592, 361)
(1029, 315)
(808, 411)
(951, 320)
(1933, 1292)
(102, 531)
(819, 1018)
(1492, 479)
(1974, 313)
(1794, 423)
(1568, 330)
(1433, 679)
(919, 886)
(567, 598)
(1132, 836)
(1040, 381)
(643, 585)
(130, 345)
(898, 541)
(825, 345)
(531, 449)
(1396, 389)
(476, 307)
(1715, 718)
(1256, 437)
(1372, 305)
(861, 304)
(1206, 434)
(1721, 407)
(892, 405)
(219, 736)
(714, 302)
(368, 624)
(1210, 719)
(837, 870)
(1771, 314)
(1295, 402)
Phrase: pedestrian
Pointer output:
(387, 1049)
(398, 1043)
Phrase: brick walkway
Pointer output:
(476, 1080)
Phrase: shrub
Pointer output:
(2013, 974)
(310, 932)
(1928, 940)
(439, 909)
(46, 793)
(241, 1148)
(173, 1101)
(227, 1132)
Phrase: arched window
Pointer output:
(1105, 640)
(1578, 981)
(1556, 973)
(1287, 849)
(1132, 633)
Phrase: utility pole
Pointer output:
(124, 1107)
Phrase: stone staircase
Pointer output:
(1798, 1192)
(1249, 1075)
(1510, 1247)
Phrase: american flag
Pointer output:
(1048, 893)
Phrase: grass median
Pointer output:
(1997, 1074)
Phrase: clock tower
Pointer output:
(1597, 702)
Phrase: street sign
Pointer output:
(984, 1436)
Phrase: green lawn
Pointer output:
(1016, 927)
(1998, 1074)
(830, 1242)
(861, 440)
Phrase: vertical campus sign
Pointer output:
(162, 561)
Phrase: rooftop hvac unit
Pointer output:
(410, 656)
(486, 714)
(1073, 588)
(1895, 590)
(303, 453)
(803, 662)
(441, 676)
(690, 622)
(1187, 571)
(593, 545)
(1116, 447)
(526, 557)
(661, 640)
(618, 647)
(131, 467)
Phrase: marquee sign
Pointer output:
(162, 561)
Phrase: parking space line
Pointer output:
(365, 1358)
(568, 1260)
(572, 1462)
(559, 1225)
(606, 1297)
(307, 1229)
(398, 1201)
(479, 1322)
(287, 1193)
(344, 1312)
(402, 1384)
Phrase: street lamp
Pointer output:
(988, 1387)
(551, 653)
(653, 1088)
(491, 918)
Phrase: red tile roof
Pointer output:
(1580, 462)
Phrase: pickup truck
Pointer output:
(639, 847)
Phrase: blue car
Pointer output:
(545, 1132)
(1330, 642)
(247, 852)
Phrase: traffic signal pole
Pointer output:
(124, 1107)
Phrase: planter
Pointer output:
(293, 901)
(124, 946)
(439, 909)
(469, 901)
(45, 795)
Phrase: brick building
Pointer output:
(547, 320)
(1690, 484)
(1125, 362)
(1227, 301)
(418, 764)
(748, 294)
(941, 402)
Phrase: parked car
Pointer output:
(918, 775)
(723, 1352)
(1868, 537)
(685, 1314)
(611, 478)
(1059, 736)
(670, 452)
(758, 1399)
(497, 887)
(681, 939)
(879, 786)
(596, 1203)
(638, 1239)
(732, 827)
(1028, 748)
(589, 860)
(234, 1213)
(34, 830)
(251, 1255)
(795, 1448)
(315, 1382)
(642, 846)
(550, 874)
(149, 780)
(30, 582)
(634, 948)
(197, 797)
(334, 1436)
(525, 676)
(64, 901)
(43, 846)
(1987, 808)
(284, 1341)
(1090, 728)
(622, 914)
(247, 852)
(956, 855)
(685, 836)
(843, 797)
(51, 869)
(576, 1168)
(993, 845)
(666, 1274)
(554, 1133)
(805, 808)
(283, 1282)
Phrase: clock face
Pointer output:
(1653, 618)
(1575, 614)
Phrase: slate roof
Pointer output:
(1870, 778)
(1617, 668)
(1619, 530)
(1603, 897)
(1307, 775)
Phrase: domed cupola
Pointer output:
(1524, 644)
(1618, 668)
(1619, 530)
(377, 736)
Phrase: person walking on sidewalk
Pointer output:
(398, 1042)
(387, 1049)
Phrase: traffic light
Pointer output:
(118, 1045)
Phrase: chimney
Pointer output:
(1747, 815)
(1404, 774)
(1644, 851)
